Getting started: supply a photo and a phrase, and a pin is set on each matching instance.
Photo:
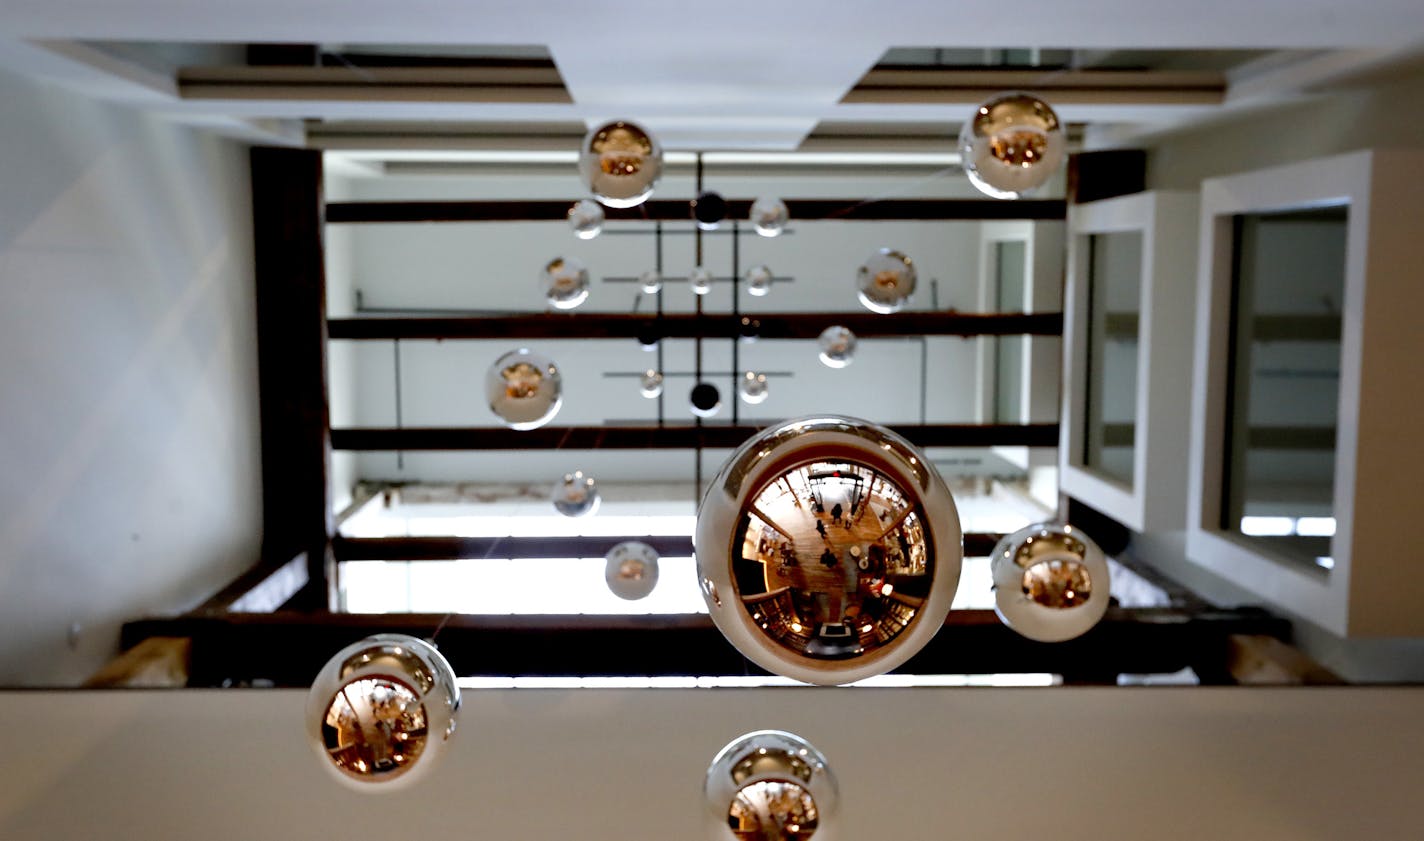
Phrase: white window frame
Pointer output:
(1374, 587)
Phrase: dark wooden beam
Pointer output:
(288, 648)
(661, 437)
(976, 545)
(1105, 174)
(691, 325)
(673, 210)
(291, 360)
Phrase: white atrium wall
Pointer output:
(129, 437)
(608, 765)
(1367, 115)
(496, 266)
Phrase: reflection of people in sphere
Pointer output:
(622, 151)
(521, 380)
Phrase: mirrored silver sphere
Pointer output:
(769, 215)
(565, 283)
(885, 281)
(752, 388)
(650, 385)
(576, 495)
(837, 346)
(586, 219)
(620, 163)
(769, 785)
(631, 569)
(759, 280)
(700, 279)
(1050, 582)
(828, 549)
(650, 282)
(381, 711)
(524, 389)
(1011, 145)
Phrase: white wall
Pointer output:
(609, 765)
(129, 430)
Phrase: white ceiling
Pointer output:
(732, 74)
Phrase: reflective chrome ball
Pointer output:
(752, 388)
(631, 569)
(700, 279)
(769, 785)
(1050, 582)
(828, 549)
(769, 215)
(650, 385)
(709, 209)
(885, 281)
(650, 282)
(621, 163)
(1012, 144)
(586, 219)
(381, 711)
(565, 283)
(837, 346)
(524, 389)
(576, 495)
(706, 400)
(759, 280)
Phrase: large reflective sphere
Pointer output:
(700, 279)
(620, 163)
(576, 495)
(837, 346)
(651, 383)
(1050, 582)
(769, 785)
(524, 389)
(1012, 144)
(650, 282)
(586, 219)
(828, 549)
(769, 215)
(885, 281)
(631, 569)
(381, 711)
(565, 283)
(752, 388)
(759, 280)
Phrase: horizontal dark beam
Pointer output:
(976, 545)
(667, 210)
(661, 438)
(690, 325)
(287, 649)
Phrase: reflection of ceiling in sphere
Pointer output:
(834, 559)
(521, 380)
(374, 727)
(772, 810)
(1050, 578)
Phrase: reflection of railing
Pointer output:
(1258, 437)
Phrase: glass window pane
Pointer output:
(1285, 381)
(1114, 306)
(1010, 273)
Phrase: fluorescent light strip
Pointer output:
(749, 682)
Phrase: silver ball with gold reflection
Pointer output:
(752, 388)
(620, 163)
(576, 495)
(837, 345)
(631, 569)
(828, 549)
(586, 219)
(1011, 145)
(1050, 582)
(769, 216)
(382, 710)
(770, 785)
(524, 389)
(564, 282)
(885, 281)
(759, 280)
